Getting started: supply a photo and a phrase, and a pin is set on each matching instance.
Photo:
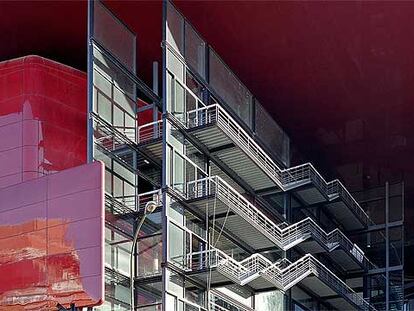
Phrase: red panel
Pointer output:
(52, 240)
(42, 118)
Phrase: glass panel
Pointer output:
(179, 107)
(174, 29)
(149, 293)
(396, 290)
(170, 91)
(115, 36)
(375, 242)
(175, 66)
(230, 89)
(150, 255)
(176, 246)
(194, 294)
(179, 173)
(117, 251)
(269, 301)
(175, 284)
(170, 303)
(195, 50)
(176, 211)
(396, 246)
(271, 134)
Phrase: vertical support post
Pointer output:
(89, 146)
(155, 77)
(387, 247)
(164, 158)
(403, 237)
(155, 89)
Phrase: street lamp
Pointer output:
(149, 208)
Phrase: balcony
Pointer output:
(149, 139)
(260, 274)
(226, 139)
(258, 231)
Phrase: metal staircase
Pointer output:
(282, 274)
(286, 179)
(284, 236)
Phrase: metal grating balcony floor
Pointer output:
(152, 148)
(234, 157)
(322, 290)
(344, 215)
(236, 224)
(216, 277)
(214, 198)
(227, 140)
(310, 195)
(346, 260)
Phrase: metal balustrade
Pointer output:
(144, 198)
(286, 179)
(284, 236)
(150, 131)
(283, 274)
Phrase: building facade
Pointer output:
(236, 227)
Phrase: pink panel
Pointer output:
(34, 215)
(52, 240)
(11, 162)
(72, 181)
(11, 136)
(26, 193)
(31, 133)
(10, 180)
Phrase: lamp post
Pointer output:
(149, 208)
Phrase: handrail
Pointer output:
(150, 131)
(284, 236)
(286, 179)
(283, 273)
(144, 198)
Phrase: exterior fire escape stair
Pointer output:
(216, 129)
(256, 270)
(222, 198)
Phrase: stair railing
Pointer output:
(283, 236)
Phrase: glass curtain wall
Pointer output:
(198, 72)
(115, 98)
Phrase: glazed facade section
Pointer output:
(232, 230)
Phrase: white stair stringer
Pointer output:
(284, 236)
(283, 274)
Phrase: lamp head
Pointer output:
(150, 207)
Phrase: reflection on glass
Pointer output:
(149, 255)
(195, 49)
(176, 246)
(179, 173)
(230, 89)
(112, 34)
(174, 29)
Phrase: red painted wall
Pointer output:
(42, 118)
